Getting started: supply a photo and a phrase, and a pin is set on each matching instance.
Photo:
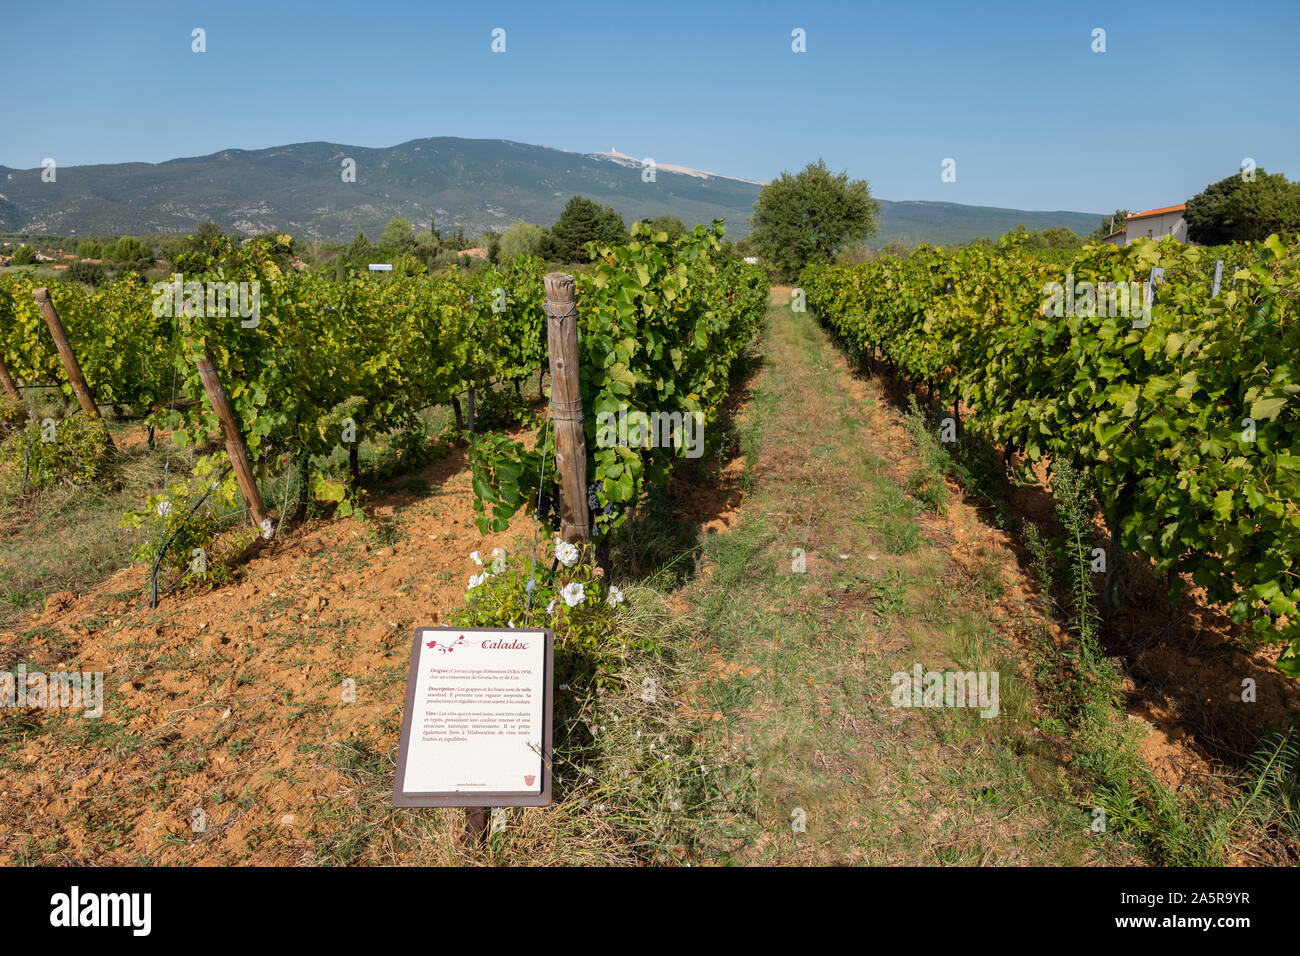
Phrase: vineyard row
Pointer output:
(1183, 412)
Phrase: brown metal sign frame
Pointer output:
(476, 798)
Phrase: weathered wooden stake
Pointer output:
(7, 380)
(235, 448)
(566, 405)
(79, 387)
(476, 826)
(460, 424)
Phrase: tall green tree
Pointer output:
(207, 232)
(358, 252)
(522, 239)
(581, 222)
(1053, 237)
(128, 249)
(398, 238)
(803, 219)
(1235, 210)
(427, 248)
(669, 224)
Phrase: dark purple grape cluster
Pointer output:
(593, 503)
(547, 512)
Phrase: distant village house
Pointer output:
(1152, 224)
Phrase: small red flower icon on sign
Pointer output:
(446, 648)
(529, 778)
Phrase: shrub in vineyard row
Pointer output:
(660, 323)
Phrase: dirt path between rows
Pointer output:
(833, 580)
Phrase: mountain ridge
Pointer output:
(471, 184)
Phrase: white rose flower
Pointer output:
(550, 608)
(567, 553)
(615, 597)
(476, 580)
(498, 560)
(573, 593)
(475, 557)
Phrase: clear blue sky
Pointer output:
(1012, 91)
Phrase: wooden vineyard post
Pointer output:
(460, 421)
(235, 449)
(566, 406)
(476, 826)
(7, 381)
(78, 381)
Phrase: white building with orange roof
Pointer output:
(1152, 224)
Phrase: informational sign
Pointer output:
(476, 730)
(381, 267)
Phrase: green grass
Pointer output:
(68, 538)
(798, 666)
